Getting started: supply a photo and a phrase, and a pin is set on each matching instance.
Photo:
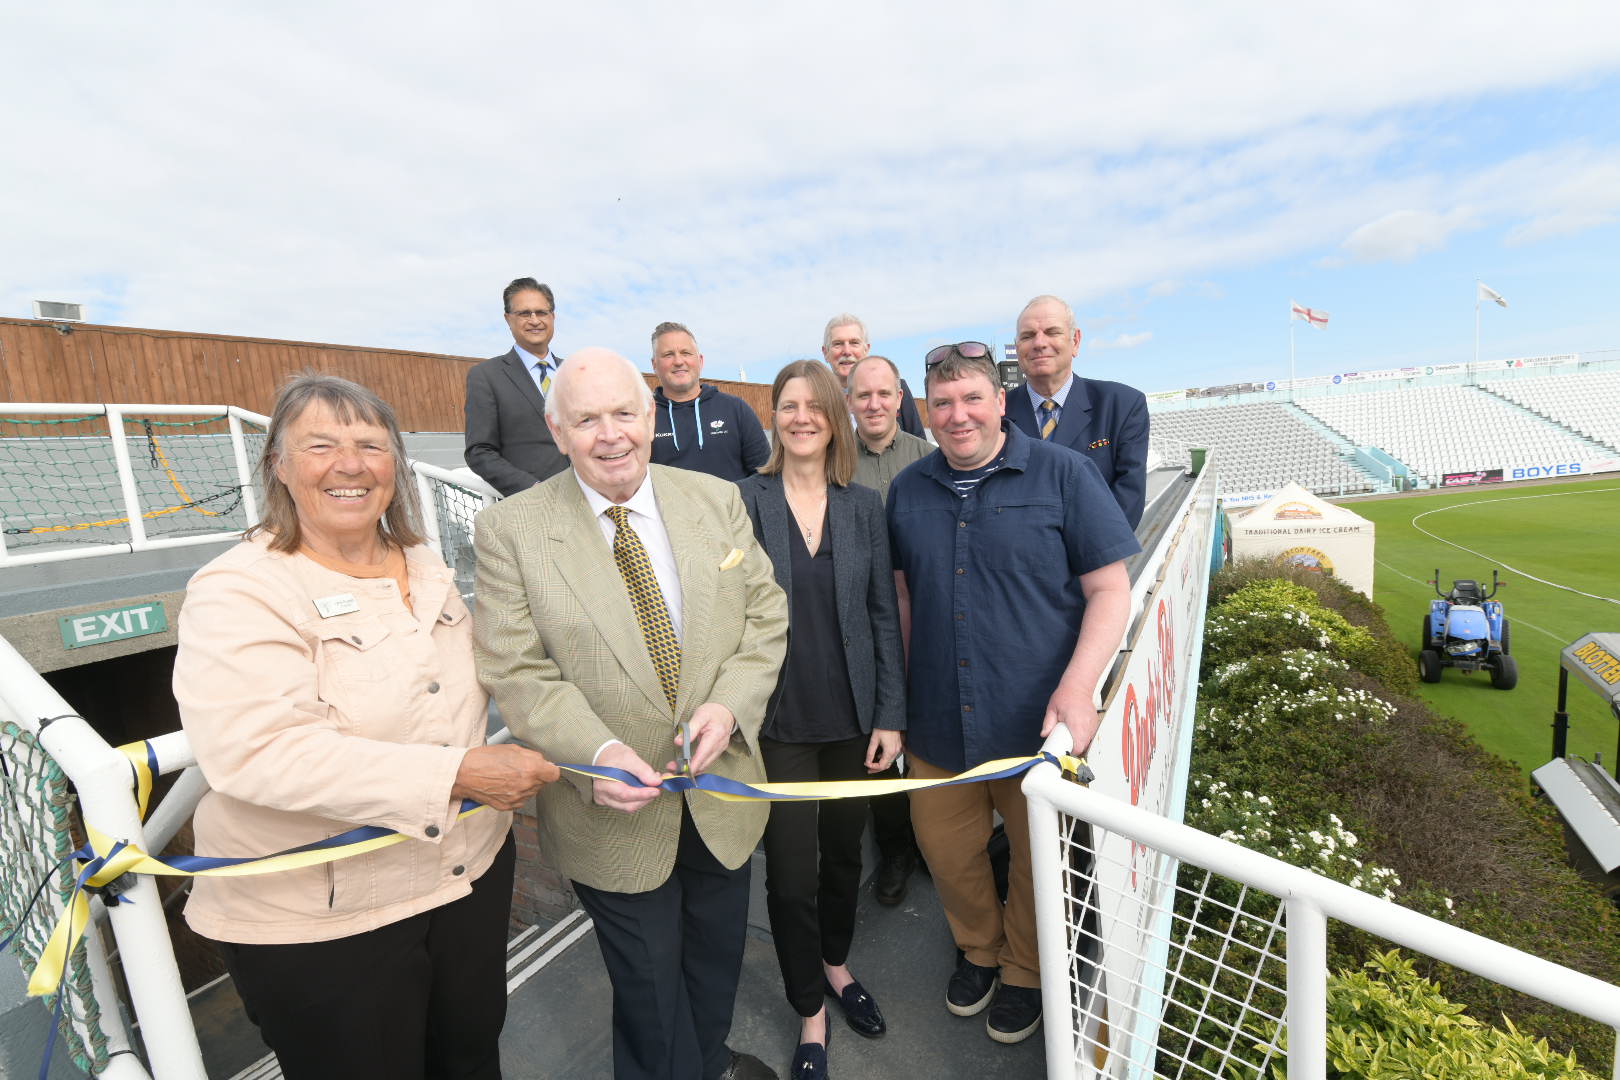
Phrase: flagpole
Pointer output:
(1291, 321)
(1473, 373)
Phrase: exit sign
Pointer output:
(114, 624)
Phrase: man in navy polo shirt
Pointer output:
(1009, 557)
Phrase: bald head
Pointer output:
(601, 414)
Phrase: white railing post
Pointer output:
(244, 472)
(430, 513)
(1063, 1053)
(126, 477)
(1307, 990)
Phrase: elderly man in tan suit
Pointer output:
(616, 601)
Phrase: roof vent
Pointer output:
(57, 311)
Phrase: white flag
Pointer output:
(1488, 293)
(1318, 319)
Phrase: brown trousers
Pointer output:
(953, 825)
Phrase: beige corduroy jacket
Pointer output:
(306, 726)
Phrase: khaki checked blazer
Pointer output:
(560, 651)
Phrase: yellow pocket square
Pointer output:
(733, 559)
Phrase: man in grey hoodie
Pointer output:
(700, 427)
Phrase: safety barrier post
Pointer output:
(1307, 990)
(126, 477)
(244, 472)
(1046, 864)
(430, 511)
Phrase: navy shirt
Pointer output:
(995, 593)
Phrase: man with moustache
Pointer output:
(843, 344)
(508, 443)
(1009, 559)
(1106, 421)
(700, 427)
(619, 604)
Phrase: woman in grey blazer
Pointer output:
(839, 706)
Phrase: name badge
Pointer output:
(340, 604)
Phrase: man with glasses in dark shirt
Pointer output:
(508, 443)
(1009, 560)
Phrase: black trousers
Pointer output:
(891, 818)
(673, 955)
(813, 864)
(419, 999)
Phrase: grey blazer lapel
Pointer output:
(779, 532)
(849, 569)
(584, 561)
(524, 381)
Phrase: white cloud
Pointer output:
(1403, 235)
(1124, 341)
(326, 174)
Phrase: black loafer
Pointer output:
(892, 875)
(860, 1009)
(810, 1060)
(748, 1067)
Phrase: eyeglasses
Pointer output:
(532, 313)
(967, 350)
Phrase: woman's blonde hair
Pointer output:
(350, 402)
(824, 390)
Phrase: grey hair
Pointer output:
(874, 356)
(522, 284)
(559, 381)
(1048, 298)
(845, 319)
(350, 402)
(670, 328)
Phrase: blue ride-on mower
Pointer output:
(1465, 629)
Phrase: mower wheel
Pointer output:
(1429, 665)
(1423, 635)
(1507, 635)
(1504, 672)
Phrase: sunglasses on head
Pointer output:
(967, 350)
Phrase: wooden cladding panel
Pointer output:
(109, 364)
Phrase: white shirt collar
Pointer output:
(529, 359)
(643, 502)
(1060, 397)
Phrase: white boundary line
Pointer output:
(1499, 562)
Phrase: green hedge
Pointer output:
(1310, 745)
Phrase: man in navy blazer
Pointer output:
(1106, 421)
(508, 443)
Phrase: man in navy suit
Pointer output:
(1106, 421)
(508, 443)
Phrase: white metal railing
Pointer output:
(124, 491)
(1307, 900)
(1138, 914)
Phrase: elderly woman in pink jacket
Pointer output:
(325, 678)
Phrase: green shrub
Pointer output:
(1305, 722)
(1387, 1021)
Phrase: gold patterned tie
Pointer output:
(1048, 418)
(651, 612)
(545, 376)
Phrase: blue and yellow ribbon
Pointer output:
(105, 859)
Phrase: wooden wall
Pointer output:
(123, 365)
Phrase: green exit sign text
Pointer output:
(114, 624)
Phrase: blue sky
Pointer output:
(318, 172)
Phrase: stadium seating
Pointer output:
(1587, 403)
(1260, 447)
(1445, 429)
